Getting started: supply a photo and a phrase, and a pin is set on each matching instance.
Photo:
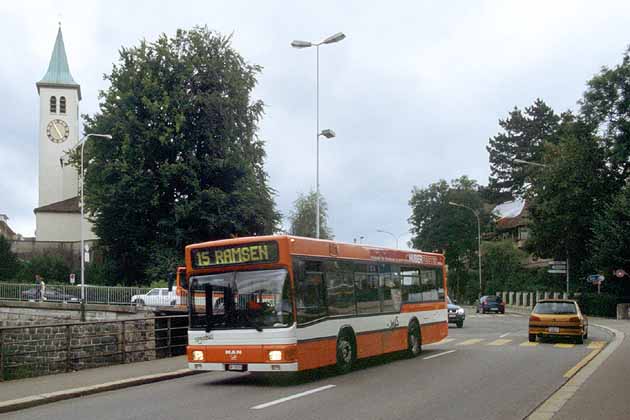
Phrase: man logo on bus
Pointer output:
(234, 354)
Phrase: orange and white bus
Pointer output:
(285, 303)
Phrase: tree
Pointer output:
(9, 263)
(438, 226)
(185, 163)
(566, 195)
(303, 217)
(523, 136)
(605, 106)
(611, 240)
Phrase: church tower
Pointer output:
(58, 216)
(59, 97)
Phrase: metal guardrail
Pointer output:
(42, 349)
(93, 294)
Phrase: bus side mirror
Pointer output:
(171, 281)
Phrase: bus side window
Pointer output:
(392, 297)
(366, 286)
(429, 284)
(412, 289)
(310, 293)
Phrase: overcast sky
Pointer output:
(413, 92)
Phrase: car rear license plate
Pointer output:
(553, 329)
(237, 368)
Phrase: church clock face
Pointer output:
(57, 131)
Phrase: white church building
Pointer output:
(58, 215)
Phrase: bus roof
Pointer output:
(298, 245)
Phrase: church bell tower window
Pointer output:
(53, 104)
(62, 105)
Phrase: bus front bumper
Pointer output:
(245, 367)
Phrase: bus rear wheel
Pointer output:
(414, 344)
(345, 352)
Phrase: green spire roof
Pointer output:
(58, 71)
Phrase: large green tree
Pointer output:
(185, 163)
(438, 226)
(522, 137)
(569, 189)
(606, 105)
(304, 215)
(611, 241)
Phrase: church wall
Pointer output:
(62, 227)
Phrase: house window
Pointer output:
(53, 104)
(62, 105)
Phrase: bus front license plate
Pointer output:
(237, 368)
(553, 329)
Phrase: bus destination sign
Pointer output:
(252, 253)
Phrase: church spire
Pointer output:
(58, 70)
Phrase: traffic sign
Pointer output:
(620, 272)
(552, 271)
(72, 278)
(595, 278)
(563, 263)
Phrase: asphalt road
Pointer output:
(486, 370)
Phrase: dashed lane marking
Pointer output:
(292, 397)
(470, 342)
(499, 342)
(564, 346)
(529, 344)
(446, 340)
(596, 344)
(438, 355)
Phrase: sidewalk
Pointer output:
(29, 392)
(604, 395)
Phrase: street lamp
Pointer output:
(478, 235)
(525, 162)
(306, 44)
(393, 236)
(82, 144)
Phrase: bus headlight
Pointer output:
(197, 356)
(275, 355)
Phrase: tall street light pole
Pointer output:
(306, 44)
(82, 174)
(393, 236)
(478, 235)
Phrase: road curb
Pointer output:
(47, 398)
(556, 401)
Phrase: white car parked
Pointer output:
(156, 297)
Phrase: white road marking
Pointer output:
(438, 355)
(292, 397)
(504, 335)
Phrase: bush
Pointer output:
(604, 305)
(9, 263)
(51, 267)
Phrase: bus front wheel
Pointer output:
(345, 352)
(414, 345)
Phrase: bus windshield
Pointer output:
(241, 299)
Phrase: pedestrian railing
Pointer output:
(93, 294)
(42, 349)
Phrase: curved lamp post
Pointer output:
(82, 174)
(392, 235)
(478, 235)
(306, 44)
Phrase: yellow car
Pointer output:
(558, 318)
